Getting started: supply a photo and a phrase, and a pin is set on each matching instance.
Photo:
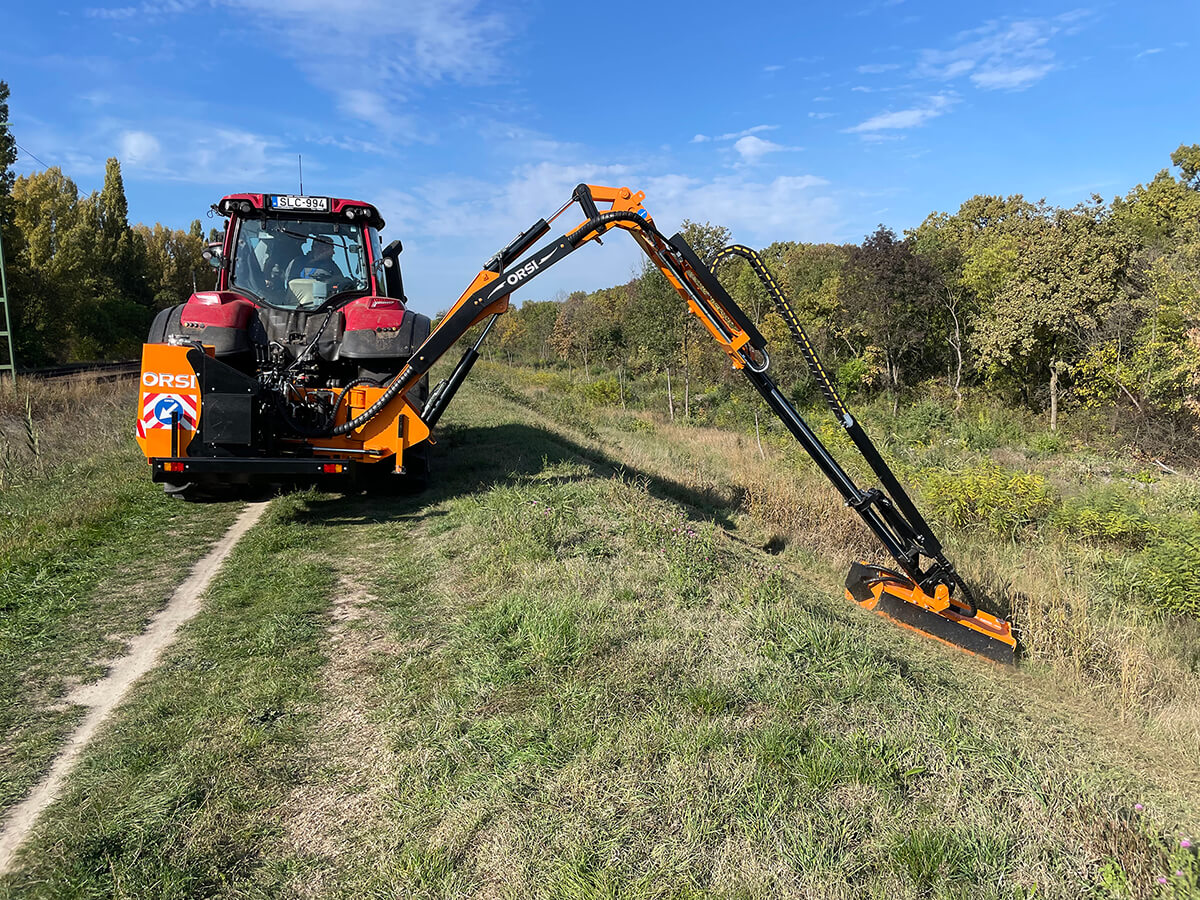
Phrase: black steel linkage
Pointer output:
(441, 398)
(893, 502)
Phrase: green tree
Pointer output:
(1187, 158)
(584, 329)
(52, 269)
(8, 233)
(1069, 285)
(174, 263)
(538, 317)
(8, 156)
(974, 253)
(117, 249)
(889, 298)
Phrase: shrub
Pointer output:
(1047, 442)
(920, 421)
(1111, 517)
(852, 376)
(603, 392)
(987, 496)
(1166, 571)
(989, 429)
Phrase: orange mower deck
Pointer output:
(894, 596)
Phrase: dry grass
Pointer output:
(576, 674)
(1140, 663)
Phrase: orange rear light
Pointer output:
(173, 467)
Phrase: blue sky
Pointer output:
(466, 121)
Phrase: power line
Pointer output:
(27, 153)
(19, 147)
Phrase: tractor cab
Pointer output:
(300, 253)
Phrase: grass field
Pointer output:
(604, 656)
(89, 550)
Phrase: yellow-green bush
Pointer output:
(1106, 521)
(987, 496)
(602, 392)
(1167, 572)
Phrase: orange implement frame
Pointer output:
(894, 596)
(887, 510)
(171, 406)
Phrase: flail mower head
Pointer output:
(897, 597)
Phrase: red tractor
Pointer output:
(306, 325)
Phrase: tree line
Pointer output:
(1093, 306)
(83, 283)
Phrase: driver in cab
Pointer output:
(319, 263)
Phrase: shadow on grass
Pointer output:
(472, 459)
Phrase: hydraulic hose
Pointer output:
(928, 543)
(325, 429)
(370, 412)
(789, 316)
(595, 223)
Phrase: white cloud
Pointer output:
(137, 148)
(789, 207)
(821, 115)
(1013, 78)
(393, 49)
(752, 149)
(773, 68)
(734, 135)
(197, 153)
(366, 106)
(1003, 55)
(450, 226)
(749, 147)
(905, 118)
(1149, 52)
(877, 68)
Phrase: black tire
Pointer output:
(188, 491)
(165, 322)
(419, 395)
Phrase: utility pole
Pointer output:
(11, 365)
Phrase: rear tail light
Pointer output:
(173, 467)
(332, 468)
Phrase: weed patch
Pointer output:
(987, 496)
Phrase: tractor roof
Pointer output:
(305, 206)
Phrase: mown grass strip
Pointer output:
(90, 549)
(570, 685)
(590, 692)
(175, 800)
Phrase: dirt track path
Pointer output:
(105, 695)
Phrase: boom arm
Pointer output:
(888, 511)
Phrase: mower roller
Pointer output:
(305, 365)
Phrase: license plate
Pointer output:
(308, 204)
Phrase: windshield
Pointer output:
(298, 264)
